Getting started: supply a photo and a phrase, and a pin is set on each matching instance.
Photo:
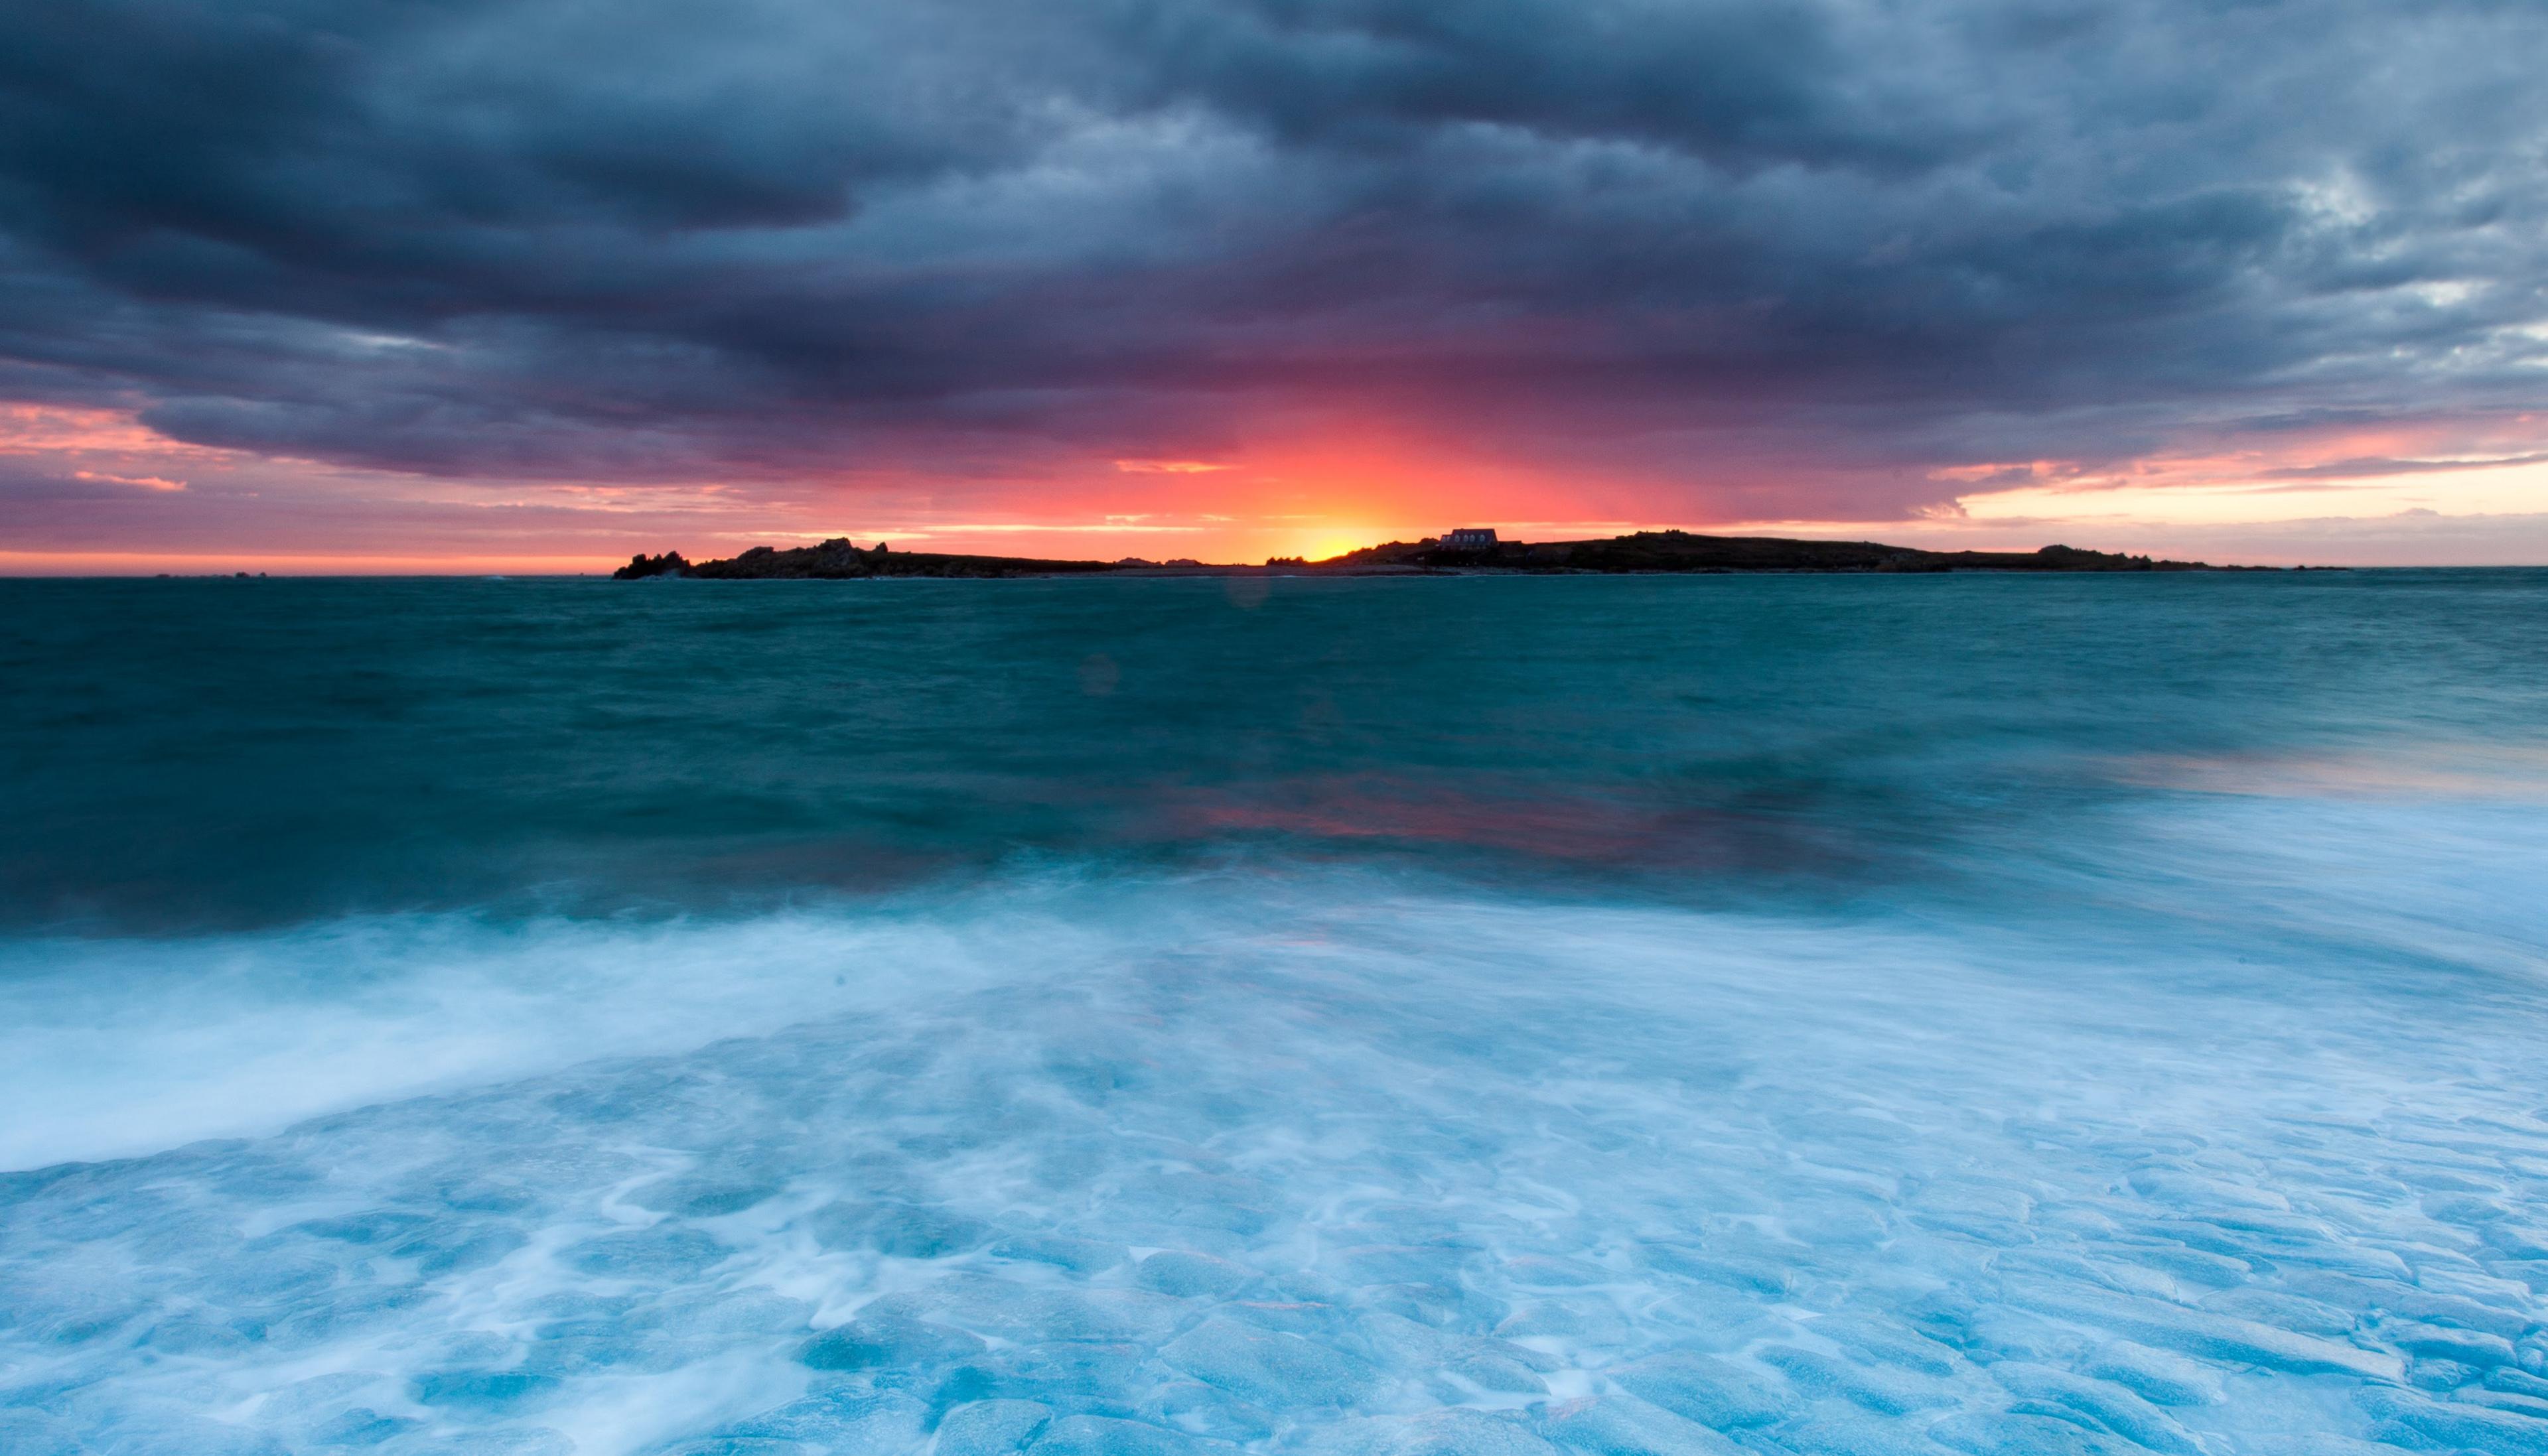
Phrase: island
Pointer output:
(836, 559)
(1465, 551)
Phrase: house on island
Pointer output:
(1469, 538)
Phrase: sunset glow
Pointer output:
(1175, 318)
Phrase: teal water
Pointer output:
(1793, 1013)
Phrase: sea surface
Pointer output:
(1497, 1017)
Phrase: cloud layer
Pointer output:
(1755, 259)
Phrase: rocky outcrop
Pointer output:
(641, 566)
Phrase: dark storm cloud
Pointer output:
(547, 237)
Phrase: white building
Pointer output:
(1469, 538)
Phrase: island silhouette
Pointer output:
(1466, 551)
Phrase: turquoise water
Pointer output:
(1805, 1013)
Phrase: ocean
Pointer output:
(1798, 1014)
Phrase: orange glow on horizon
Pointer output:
(1309, 488)
(1334, 542)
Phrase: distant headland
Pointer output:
(1468, 551)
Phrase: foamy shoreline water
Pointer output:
(1659, 1059)
(1237, 1163)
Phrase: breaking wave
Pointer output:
(1319, 1158)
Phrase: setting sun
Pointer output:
(1334, 541)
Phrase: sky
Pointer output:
(534, 285)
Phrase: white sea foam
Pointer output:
(120, 1047)
(1318, 1162)
(117, 1048)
